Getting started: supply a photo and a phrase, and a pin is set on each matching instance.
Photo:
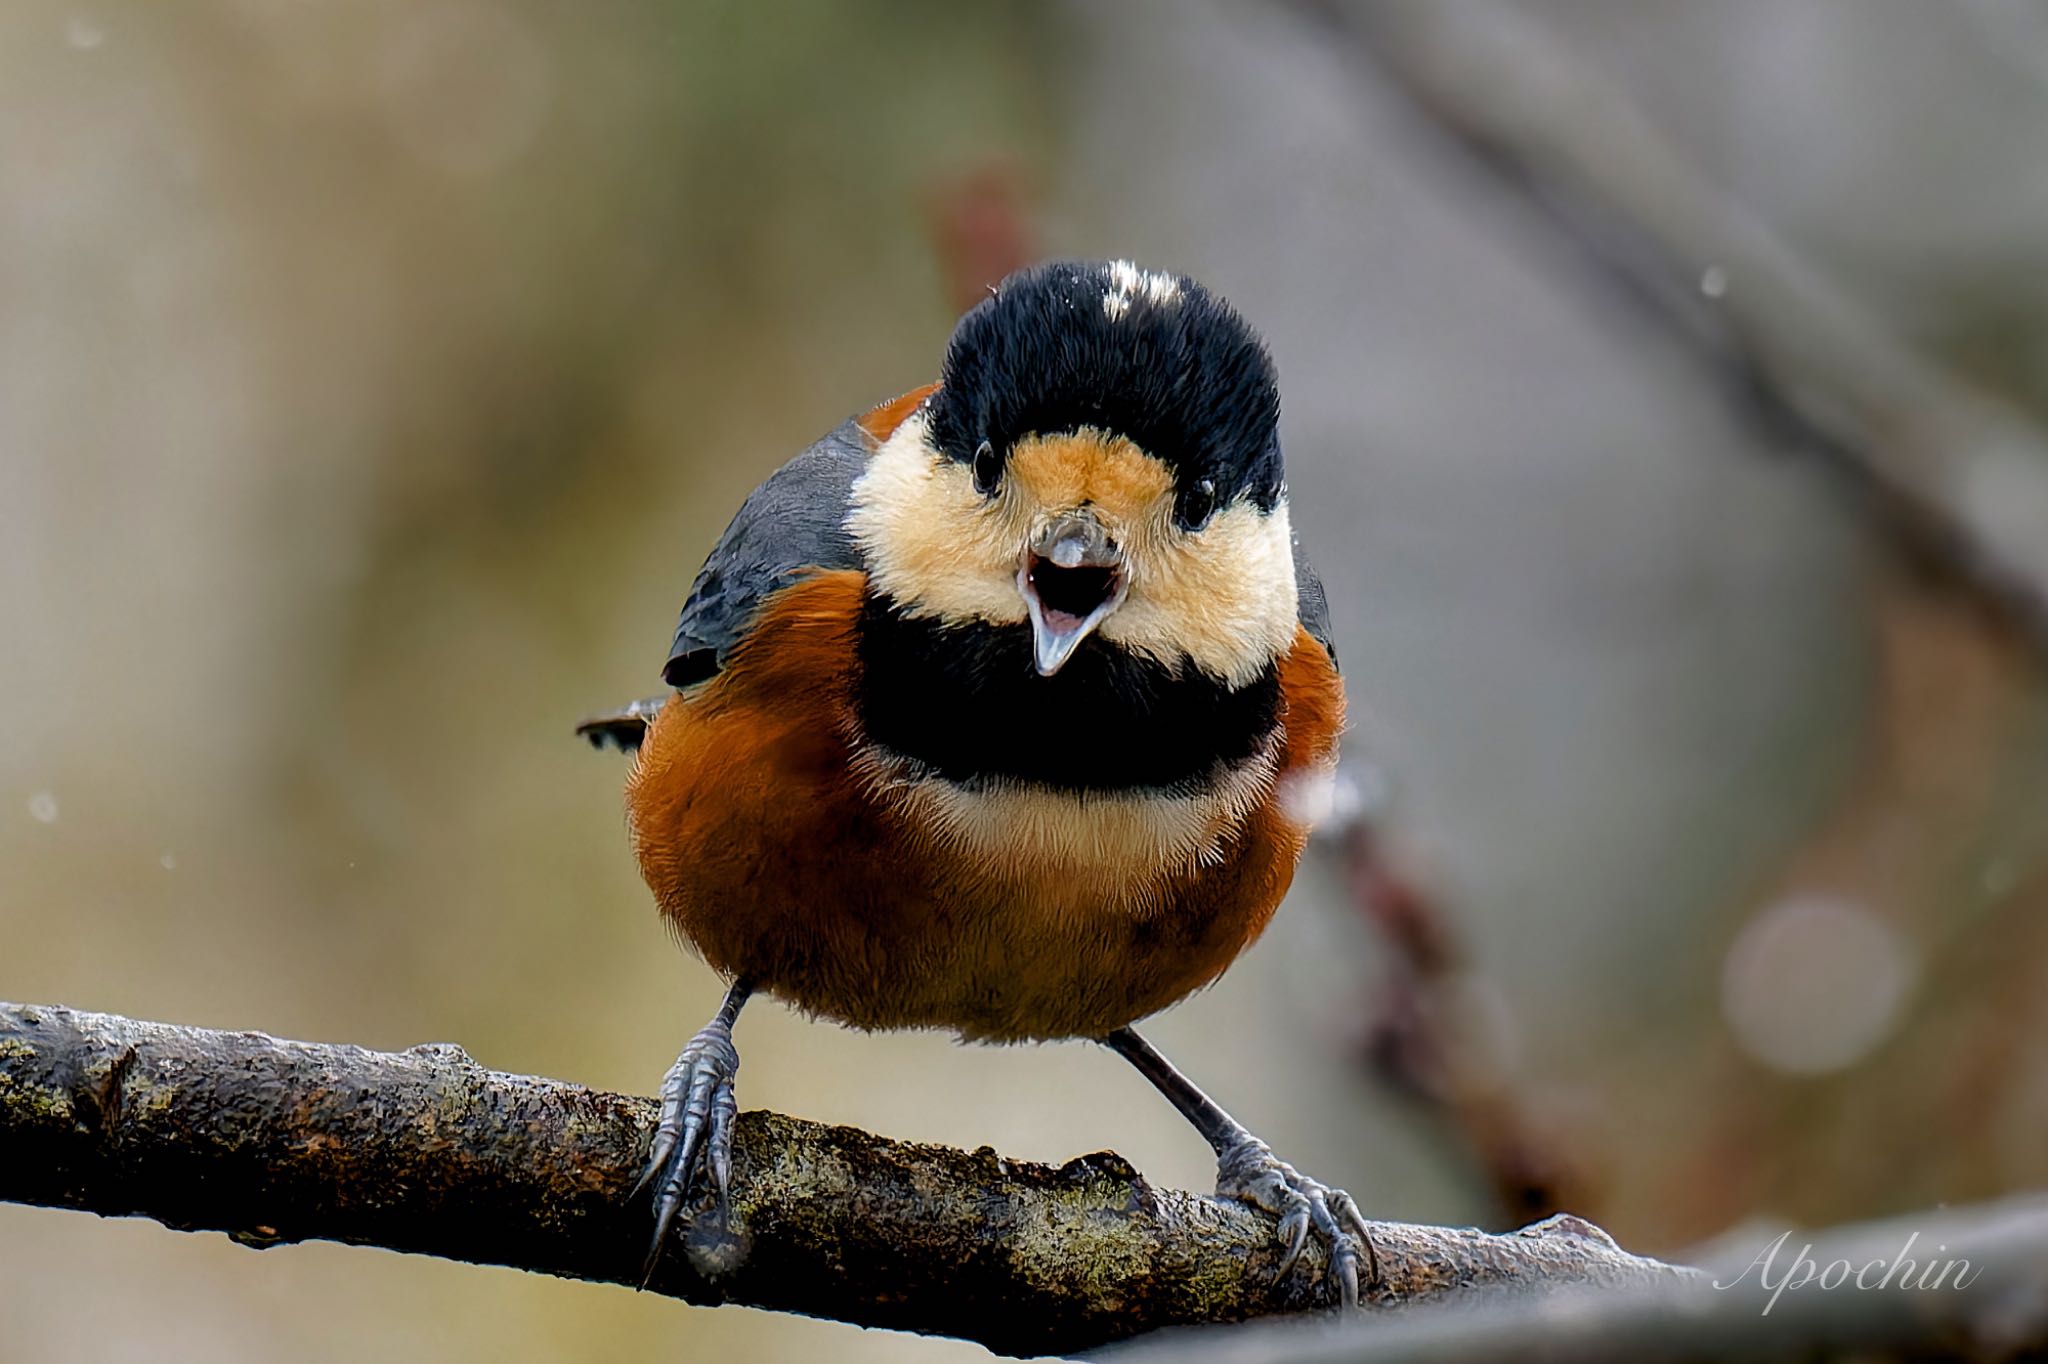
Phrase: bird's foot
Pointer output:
(693, 1137)
(1249, 1172)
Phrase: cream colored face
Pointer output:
(1223, 595)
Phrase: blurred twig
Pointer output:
(980, 224)
(1959, 477)
(426, 1151)
(1999, 1249)
(1963, 477)
(1432, 1036)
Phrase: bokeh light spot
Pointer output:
(1814, 983)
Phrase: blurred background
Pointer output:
(1660, 396)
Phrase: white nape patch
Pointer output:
(1113, 849)
(1127, 281)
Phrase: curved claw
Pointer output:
(1294, 1231)
(1347, 1274)
(657, 1157)
(1249, 1172)
(718, 1141)
(665, 1205)
(694, 1134)
(1346, 1208)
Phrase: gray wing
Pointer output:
(791, 525)
(1311, 605)
(625, 727)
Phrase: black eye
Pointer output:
(987, 469)
(1196, 504)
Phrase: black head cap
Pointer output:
(1150, 356)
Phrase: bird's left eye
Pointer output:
(987, 469)
(1197, 503)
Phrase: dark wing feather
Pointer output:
(623, 728)
(1313, 606)
(790, 525)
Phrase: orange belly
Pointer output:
(784, 853)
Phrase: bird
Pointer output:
(1005, 709)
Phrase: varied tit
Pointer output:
(1002, 709)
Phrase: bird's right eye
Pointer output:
(988, 470)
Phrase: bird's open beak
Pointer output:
(1072, 578)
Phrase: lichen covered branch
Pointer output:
(428, 1152)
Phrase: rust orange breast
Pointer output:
(784, 850)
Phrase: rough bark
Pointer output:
(1958, 1286)
(428, 1152)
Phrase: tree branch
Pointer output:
(1958, 1286)
(428, 1152)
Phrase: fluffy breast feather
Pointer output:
(778, 851)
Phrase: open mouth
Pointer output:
(1066, 604)
(1068, 596)
(1070, 577)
